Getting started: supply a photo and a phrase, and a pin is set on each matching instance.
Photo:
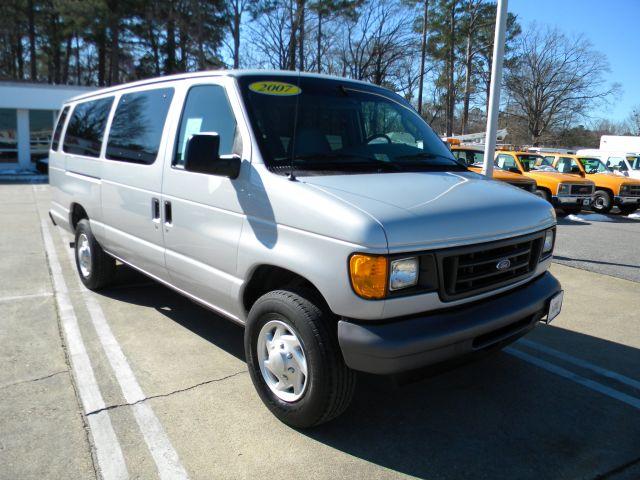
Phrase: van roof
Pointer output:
(209, 73)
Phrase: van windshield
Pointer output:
(634, 161)
(327, 126)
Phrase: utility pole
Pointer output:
(494, 90)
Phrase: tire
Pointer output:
(329, 384)
(628, 210)
(601, 202)
(571, 210)
(95, 267)
(543, 194)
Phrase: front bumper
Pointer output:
(618, 200)
(571, 200)
(420, 340)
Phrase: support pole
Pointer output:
(494, 90)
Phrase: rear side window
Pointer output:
(206, 109)
(55, 142)
(86, 127)
(137, 126)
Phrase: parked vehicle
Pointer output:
(621, 143)
(473, 158)
(570, 192)
(611, 190)
(322, 214)
(624, 163)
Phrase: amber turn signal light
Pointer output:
(369, 274)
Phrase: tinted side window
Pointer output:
(86, 127)
(137, 126)
(55, 142)
(206, 109)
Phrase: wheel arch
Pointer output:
(265, 278)
(76, 213)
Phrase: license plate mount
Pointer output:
(555, 306)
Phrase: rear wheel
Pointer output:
(601, 201)
(95, 267)
(294, 359)
(628, 209)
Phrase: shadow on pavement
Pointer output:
(599, 262)
(499, 417)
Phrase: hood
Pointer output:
(439, 209)
(499, 174)
(560, 177)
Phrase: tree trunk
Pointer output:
(154, 49)
(451, 69)
(237, 18)
(292, 35)
(423, 55)
(319, 44)
(32, 42)
(102, 57)
(55, 49)
(301, 7)
(20, 57)
(67, 61)
(170, 64)
(114, 27)
(77, 59)
(467, 85)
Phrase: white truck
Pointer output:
(624, 143)
(623, 161)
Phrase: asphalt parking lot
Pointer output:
(163, 384)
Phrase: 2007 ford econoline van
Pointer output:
(323, 214)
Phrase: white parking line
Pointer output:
(108, 451)
(164, 455)
(23, 297)
(585, 382)
(581, 363)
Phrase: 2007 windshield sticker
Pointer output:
(275, 88)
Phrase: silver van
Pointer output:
(321, 213)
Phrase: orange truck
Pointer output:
(568, 191)
(611, 189)
(473, 158)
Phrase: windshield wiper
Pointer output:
(426, 155)
(315, 161)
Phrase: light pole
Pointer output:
(494, 89)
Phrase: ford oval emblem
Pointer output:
(503, 264)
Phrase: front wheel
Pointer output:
(628, 209)
(543, 194)
(294, 359)
(571, 210)
(601, 202)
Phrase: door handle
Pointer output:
(155, 210)
(168, 218)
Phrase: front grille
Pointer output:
(633, 190)
(472, 270)
(581, 189)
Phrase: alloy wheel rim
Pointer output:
(84, 255)
(282, 360)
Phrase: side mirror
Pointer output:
(513, 169)
(577, 171)
(203, 156)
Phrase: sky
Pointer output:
(612, 26)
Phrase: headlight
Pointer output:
(369, 275)
(403, 273)
(624, 189)
(547, 247)
(564, 189)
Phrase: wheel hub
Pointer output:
(84, 255)
(282, 360)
